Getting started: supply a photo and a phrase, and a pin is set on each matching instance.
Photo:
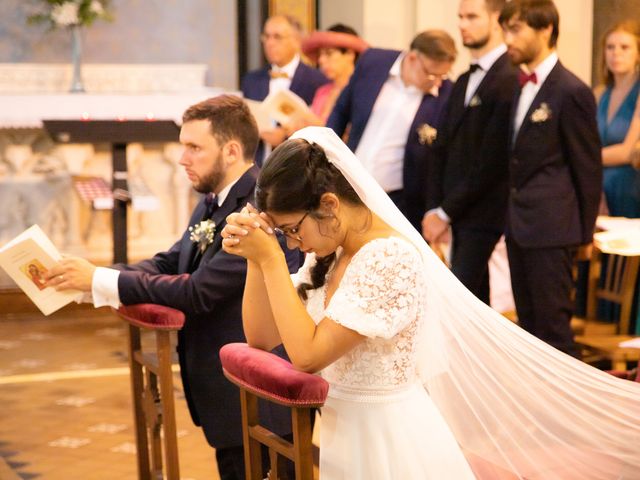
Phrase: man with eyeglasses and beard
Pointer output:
(392, 109)
(468, 190)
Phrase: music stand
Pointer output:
(118, 133)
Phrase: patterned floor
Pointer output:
(65, 398)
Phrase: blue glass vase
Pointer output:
(76, 60)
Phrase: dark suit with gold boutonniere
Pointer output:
(354, 106)
(208, 288)
(470, 171)
(555, 180)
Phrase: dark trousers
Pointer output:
(231, 463)
(470, 253)
(542, 282)
(397, 197)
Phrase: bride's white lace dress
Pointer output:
(378, 421)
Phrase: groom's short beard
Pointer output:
(478, 44)
(210, 182)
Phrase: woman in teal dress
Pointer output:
(619, 118)
(619, 126)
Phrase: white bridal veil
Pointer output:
(518, 407)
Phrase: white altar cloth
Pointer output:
(28, 111)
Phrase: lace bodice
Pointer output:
(381, 297)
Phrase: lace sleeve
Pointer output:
(378, 295)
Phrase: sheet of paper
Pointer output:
(260, 114)
(619, 242)
(617, 223)
(633, 343)
(25, 259)
(284, 105)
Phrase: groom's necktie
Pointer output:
(211, 202)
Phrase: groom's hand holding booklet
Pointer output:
(26, 259)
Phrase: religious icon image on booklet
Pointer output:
(34, 271)
(283, 105)
(26, 259)
(286, 108)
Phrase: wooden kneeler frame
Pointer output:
(261, 374)
(152, 390)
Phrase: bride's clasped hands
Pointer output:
(251, 235)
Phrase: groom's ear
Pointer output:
(232, 152)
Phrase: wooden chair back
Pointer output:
(613, 280)
(261, 374)
(616, 283)
(152, 389)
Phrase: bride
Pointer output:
(384, 322)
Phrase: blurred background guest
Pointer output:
(336, 51)
(281, 37)
(393, 105)
(619, 117)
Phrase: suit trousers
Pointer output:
(231, 462)
(470, 253)
(542, 283)
(397, 197)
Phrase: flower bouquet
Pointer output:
(72, 14)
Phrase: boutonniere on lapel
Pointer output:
(202, 234)
(475, 101)
(427, 134)
(541, 114)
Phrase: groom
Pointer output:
(196, 276)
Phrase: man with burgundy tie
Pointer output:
(555, 173)
(468, 188)
(281, 43)
(196, 276)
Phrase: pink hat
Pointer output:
(326, 39)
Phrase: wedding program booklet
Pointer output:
(26, 259)
(283, 105)
(260, 114)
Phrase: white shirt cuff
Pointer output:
(442, 215)
(104, 287)
(86, 297)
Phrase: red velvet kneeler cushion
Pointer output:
(149, 315)
(271, 377)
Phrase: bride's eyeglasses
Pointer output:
(292, 232)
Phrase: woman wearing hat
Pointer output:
(335, 51)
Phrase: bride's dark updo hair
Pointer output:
(293, 179)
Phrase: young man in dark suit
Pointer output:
(468, 189)
(555, 173)
(195, 275)
(281, 43)
(393, 104)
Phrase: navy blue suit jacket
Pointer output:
(211, 298)
(555, 166)
(354, 107)
(305, 82)
(471, 152)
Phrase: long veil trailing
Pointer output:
(518, 407)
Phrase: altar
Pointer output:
(39, 175)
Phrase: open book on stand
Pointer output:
(26, 259)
